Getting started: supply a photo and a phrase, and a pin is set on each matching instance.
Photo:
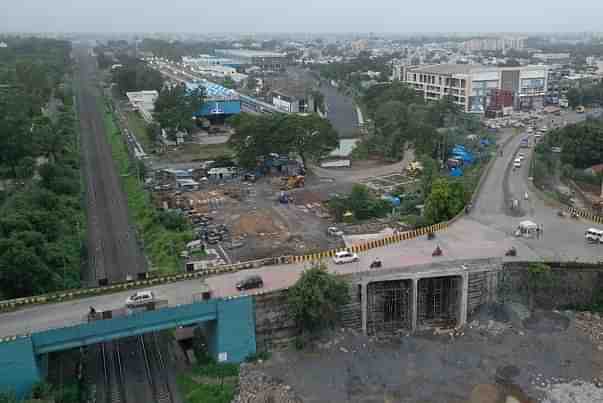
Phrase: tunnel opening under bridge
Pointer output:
(389, 306)
(439, 302)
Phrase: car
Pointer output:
(140, 298)
(517, 164)
(334, 231)
(345, 257)
(250, 282)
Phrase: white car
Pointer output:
(345, 257)
(140, 298)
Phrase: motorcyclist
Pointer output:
(376, 263)
(437, 251)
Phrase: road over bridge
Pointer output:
(486, 232)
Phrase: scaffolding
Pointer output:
(438, 301)
(389, 306)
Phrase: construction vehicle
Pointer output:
(414, 168)
(293, 182)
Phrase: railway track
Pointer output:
(113, 372)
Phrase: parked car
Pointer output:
(345, 257)
(250, 282)
(334, 231)
(140, 298)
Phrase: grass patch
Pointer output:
(212, 383)
(139, 127)
(161, 245)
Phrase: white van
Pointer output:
(593, 235)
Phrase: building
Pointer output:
(560, 58)
(270, 61)
(220, 102)
(495, 44)
(472, 86)
(3, 45)
(143, 102)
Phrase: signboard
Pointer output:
(223, 357)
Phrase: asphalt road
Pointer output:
(487, 232)
(562, 237)
(113, 253)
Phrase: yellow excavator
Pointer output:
(292, 182)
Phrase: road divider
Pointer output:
(586, 214)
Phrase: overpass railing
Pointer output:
(56, 297)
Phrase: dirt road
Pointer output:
(113, 252)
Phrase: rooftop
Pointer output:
(447, 68)
(213, 90)
(250, 53)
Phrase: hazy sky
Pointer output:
(300, 15)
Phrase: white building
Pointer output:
(143, 102)
(470, 85)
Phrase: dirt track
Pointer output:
(113, 252)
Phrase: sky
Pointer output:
(315, 16)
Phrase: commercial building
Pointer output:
(220, 102)
(472, 86)
(271, 61)
(495, 44)
(143, 102)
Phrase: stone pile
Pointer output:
(257, 387)
(493, 327)
(591, 324)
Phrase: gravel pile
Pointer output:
(257, 387)
(573, 392)
(591, 324)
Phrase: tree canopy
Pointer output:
(316, 297)
(175, 107)
(581, 144)
(401, 117)
(444, 201)
(40, 209)
(309, 136)
(137, 76)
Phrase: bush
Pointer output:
(315, 299)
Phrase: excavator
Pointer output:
(293, 182)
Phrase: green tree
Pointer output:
(310, 136)
(137, 76)
(315, 299)
(444, 201)
(176, 106)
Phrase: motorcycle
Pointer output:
(431, 235)
(437, 252)
(376, 264)
(511, 252)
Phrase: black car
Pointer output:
(250, 282)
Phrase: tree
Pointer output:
(137, 76)
(445, 200)
(316, 297)
(310, 136)
(176, 106)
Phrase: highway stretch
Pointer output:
(487, 232)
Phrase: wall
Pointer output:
(569, 284)
(18, 366)
(274, 328)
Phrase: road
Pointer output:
(113, 253)
(485, 233)
(563, 237)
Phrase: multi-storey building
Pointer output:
(265, 60)
(472, 86)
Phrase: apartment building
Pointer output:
(472, 86)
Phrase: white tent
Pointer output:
(528, 225)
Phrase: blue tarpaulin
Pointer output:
(456, 172)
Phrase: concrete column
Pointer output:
(414, 303)
(464, 299)
(364, 306)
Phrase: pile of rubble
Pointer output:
(257, 387)
(493, 327)
(572, 392)
(591, 324)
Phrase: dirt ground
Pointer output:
(489, 362)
